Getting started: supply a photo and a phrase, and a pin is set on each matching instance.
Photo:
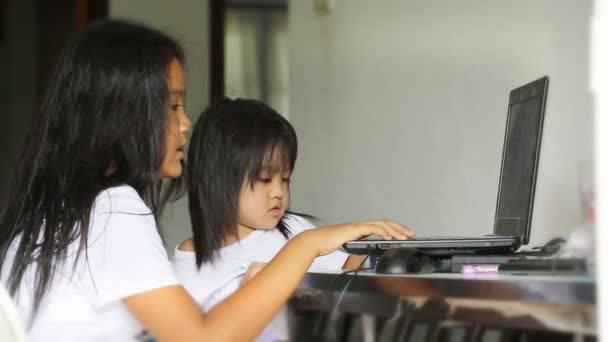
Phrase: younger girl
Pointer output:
(240, 161)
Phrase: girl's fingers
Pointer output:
(401, 228)
(387, 232)
(378, 229)
(252, 270)
(393, 229)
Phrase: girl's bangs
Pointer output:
(277, 158)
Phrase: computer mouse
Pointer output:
(403, 261)
(553, 246)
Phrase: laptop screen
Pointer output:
(520, 160)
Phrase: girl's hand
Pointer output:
(252, 270)
(330, 238)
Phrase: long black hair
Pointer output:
(231, 143)
(101, 124)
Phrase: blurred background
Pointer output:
(400, 105)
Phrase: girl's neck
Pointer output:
(242, 232)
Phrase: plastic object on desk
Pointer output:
(520, 263)
(479, 268)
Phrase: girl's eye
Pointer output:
(265, 180)
(175, 107)
(287, 180)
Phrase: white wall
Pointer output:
(188, 21)
(400, 107)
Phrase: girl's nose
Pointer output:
(185, 124)
(277, 190)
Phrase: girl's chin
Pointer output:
(173, 171)
(268, 225)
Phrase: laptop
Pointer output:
(516, 187)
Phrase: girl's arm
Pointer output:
(170, 313)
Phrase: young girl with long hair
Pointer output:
(79, 247)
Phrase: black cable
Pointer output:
(319, 327)
(331, 283)
(348, 284)
(333, 312)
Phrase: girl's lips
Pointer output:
(276, 211)
(180, 152)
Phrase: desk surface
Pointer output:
(551, 302)
(539, 288)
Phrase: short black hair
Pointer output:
(232, 142)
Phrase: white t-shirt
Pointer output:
(216, 281)
(125, 256)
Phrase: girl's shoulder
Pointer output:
(120, 199)
(119, 213)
